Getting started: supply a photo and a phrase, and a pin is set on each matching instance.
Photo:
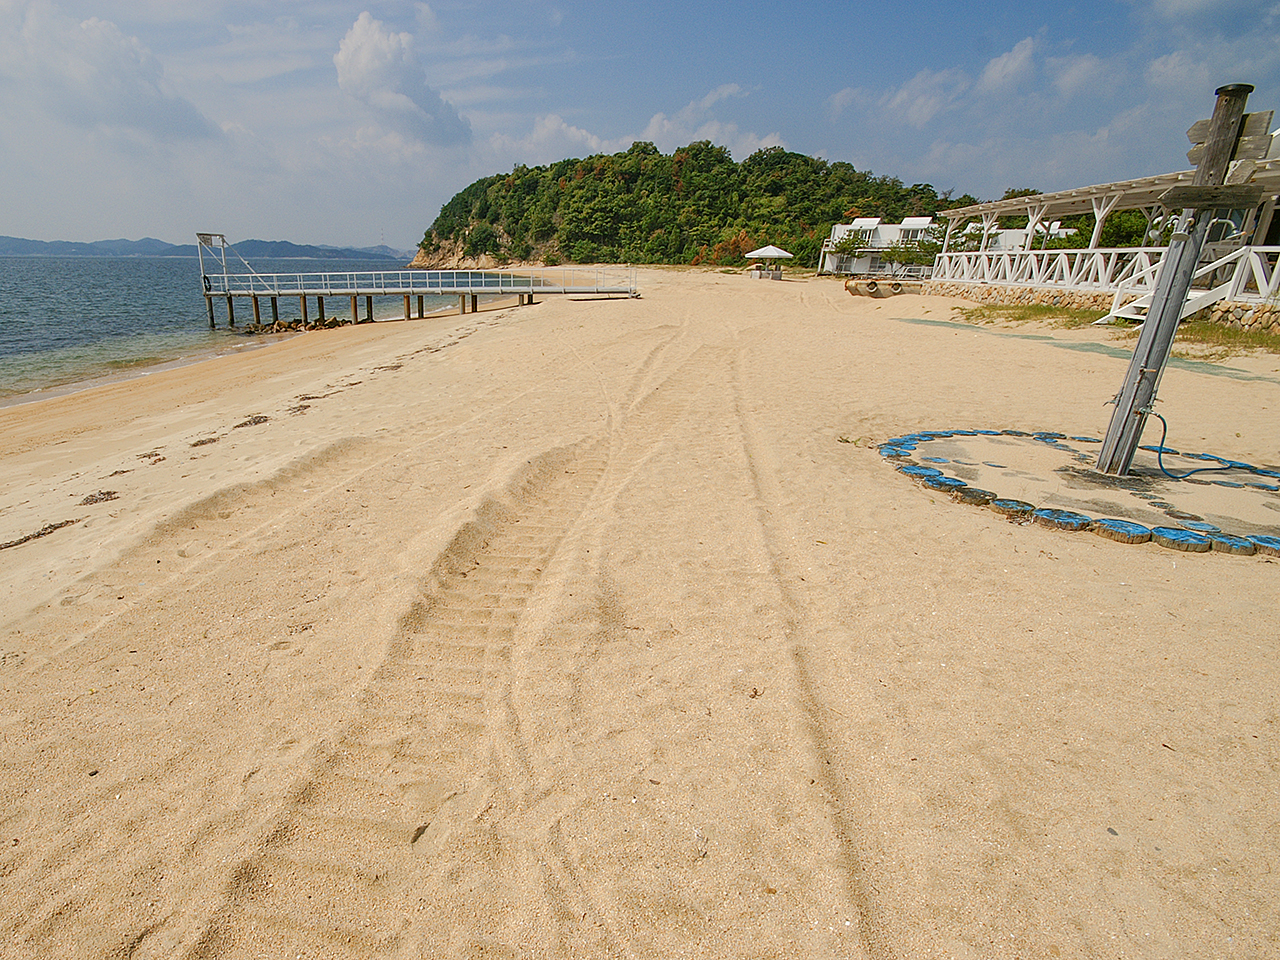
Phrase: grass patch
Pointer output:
(1225, 340)
(1065, 317)
(1202, 340)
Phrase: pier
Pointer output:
(222, 283)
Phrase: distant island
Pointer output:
(150, 247)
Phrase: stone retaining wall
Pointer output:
(1240, 315)
(1047, 296)
(1244, 316)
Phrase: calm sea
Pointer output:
(64, 320)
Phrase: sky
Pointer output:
(352, 123)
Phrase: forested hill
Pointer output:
(642, 206)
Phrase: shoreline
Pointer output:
(247, 342)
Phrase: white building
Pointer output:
(876, 236)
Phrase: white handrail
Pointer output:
(1121, 270)
(546, 280)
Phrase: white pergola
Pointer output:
(1105, 198)
(1239, 268)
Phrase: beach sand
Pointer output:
(599, 628)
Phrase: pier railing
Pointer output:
(542, 280)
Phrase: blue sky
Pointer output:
(351, 123)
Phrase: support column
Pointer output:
(406, 306)
(1035, 216)
(355, 309)
(208, 303)
(257, 311)
(988, 224)
(462, 303)
(420, 312)
(475, 302)
(320, 308)
(275, 310)
(1102, 207)
(303, 301)
(1138, 391)
(368, 309)
(231, 312)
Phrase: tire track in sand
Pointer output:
(335, 876)
(394, 802)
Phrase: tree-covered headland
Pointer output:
(694, 206)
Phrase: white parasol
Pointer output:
(769, 253)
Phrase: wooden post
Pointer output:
(275, 310)
(320, 308)
(257, 311)
(475, 302)
(208, 303)
(1138, 392)
(462, 303)
(303, 300)
(368, 309)
(406, 306)
(355, 309)
(420, 313)
(231, 312)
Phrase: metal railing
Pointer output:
(545, 280)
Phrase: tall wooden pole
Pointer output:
(1138, 392)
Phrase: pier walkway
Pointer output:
(524, 284)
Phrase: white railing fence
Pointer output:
(1245, 273)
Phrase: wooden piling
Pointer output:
(462, 303)
(257, 311)
(320, 308)
(368, 309)
(304, 310)
(231, 312)
(420, 313)
(475, 302)
(406, 306)
(275, 310)
(355, 309)
(208, 303)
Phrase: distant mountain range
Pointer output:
(150, 247)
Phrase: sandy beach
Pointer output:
(599, 628)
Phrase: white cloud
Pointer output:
(1008, 69)
(696, 122)
(426, 18)
(553, 139)
(841, 100)
(924, 96)
(379, 68)
(1178, 71)
(1078, 74)
(90, 74)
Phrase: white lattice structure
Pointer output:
(1239, 262)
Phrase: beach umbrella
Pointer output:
(769, 253)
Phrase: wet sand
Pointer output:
(599, 628)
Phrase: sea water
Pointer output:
(65, 320)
